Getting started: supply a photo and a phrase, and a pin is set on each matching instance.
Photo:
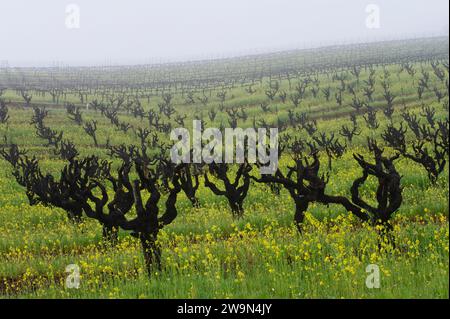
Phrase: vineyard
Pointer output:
(86, 180)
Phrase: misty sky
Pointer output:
(142, 31)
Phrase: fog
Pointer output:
(47, 32)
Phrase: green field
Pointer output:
(206, 253)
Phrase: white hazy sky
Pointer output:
(33, 32)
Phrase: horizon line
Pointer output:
(204, 58)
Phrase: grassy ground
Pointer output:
(207, 254)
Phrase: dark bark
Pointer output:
(189, 182)
(300, 208)
(306, 186)
(236, 207)
(234, 193)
